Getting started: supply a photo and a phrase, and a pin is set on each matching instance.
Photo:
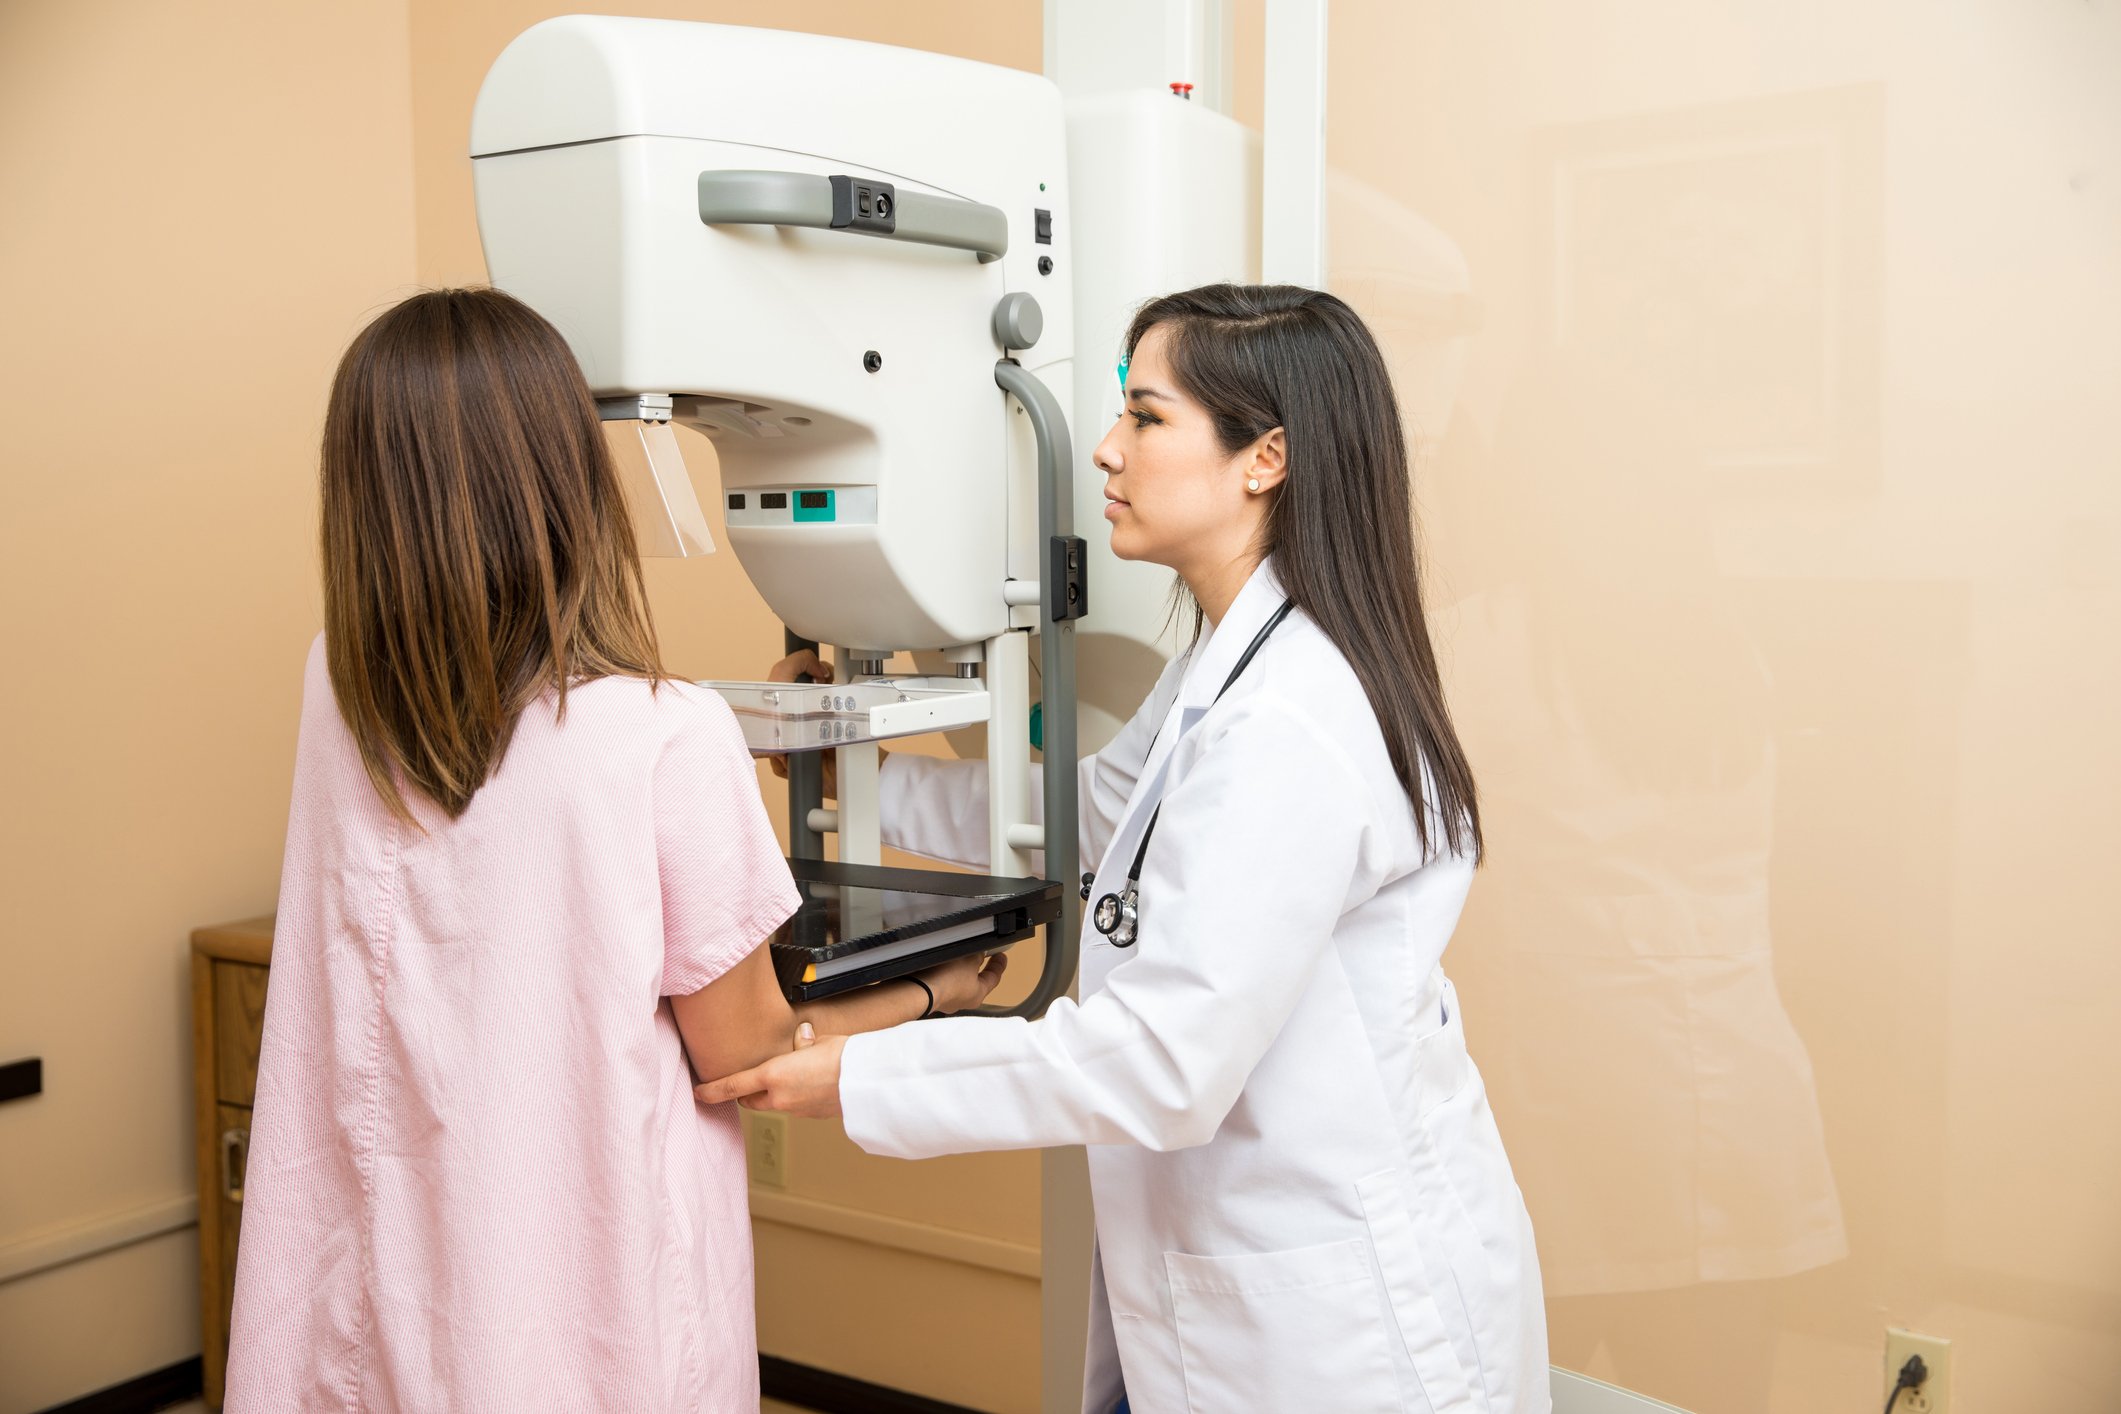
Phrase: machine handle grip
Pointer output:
(1056, 641)
(805, 199)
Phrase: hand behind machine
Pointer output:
(793, 668)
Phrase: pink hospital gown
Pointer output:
(478, 1179)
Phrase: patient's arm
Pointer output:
(738, 1019)
(741, 1018)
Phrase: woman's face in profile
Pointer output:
(1171, 491)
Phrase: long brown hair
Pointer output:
(1341, 528)
(477, 550)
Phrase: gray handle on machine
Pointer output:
(1056, 637)
(752, 198)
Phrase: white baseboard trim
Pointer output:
(63, 1243)
(903, 1234)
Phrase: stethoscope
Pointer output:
(1118, 916)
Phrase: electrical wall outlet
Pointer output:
(1934, 1395)
(766, 1144)
(21, 1079)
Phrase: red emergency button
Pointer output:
(1183, 90)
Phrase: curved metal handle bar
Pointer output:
(1056, 638)
(750, 198)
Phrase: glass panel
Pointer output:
(1763, 358)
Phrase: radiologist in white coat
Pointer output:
(1302, 1200)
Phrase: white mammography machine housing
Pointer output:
(844, 263)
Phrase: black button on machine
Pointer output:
(1042, 227)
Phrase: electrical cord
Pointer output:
(1912, 1374)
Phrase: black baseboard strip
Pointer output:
(827, 1393)
(157, 1389)
(804, 1385)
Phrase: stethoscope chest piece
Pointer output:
(1118, 917)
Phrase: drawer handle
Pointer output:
(235, 1158)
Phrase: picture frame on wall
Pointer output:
(1724, 263)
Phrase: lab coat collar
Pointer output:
(1209, 667)
(1247, 615)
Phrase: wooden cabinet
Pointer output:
(228, 972)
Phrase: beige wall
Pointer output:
(1781, 539)
(1776, 531)
(204, 202)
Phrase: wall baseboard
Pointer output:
(157, 1389)
(827, 1393)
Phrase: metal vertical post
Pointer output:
(806, 778)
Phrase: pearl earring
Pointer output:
(1253, 484)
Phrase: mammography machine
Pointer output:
(847, 265)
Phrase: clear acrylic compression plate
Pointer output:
(780, 717)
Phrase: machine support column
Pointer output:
(806, 778)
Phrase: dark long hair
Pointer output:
(1341, 525)
(477, 550)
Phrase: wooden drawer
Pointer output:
(228, 968)
(232, 1143)
(239, 1026)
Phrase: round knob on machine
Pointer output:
(1018, 321)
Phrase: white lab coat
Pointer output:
(1302, 1201)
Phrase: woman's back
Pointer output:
(478, 1176)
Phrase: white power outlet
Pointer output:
(766, 1141)
(1934, 1396)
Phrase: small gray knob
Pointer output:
(1018, 321)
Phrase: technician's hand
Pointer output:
(963, 983)
(804, 1083)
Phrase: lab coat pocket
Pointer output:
(1300, 1329)
(1422, 1300)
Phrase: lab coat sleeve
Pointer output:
(934, 808)
(938, 809)
(1262, 847)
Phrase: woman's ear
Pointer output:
(1266, 462)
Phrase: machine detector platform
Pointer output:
(860, 923)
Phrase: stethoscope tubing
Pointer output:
(1118, 915)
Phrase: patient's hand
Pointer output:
(963, 983)
(796, 665)
(787, 670)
